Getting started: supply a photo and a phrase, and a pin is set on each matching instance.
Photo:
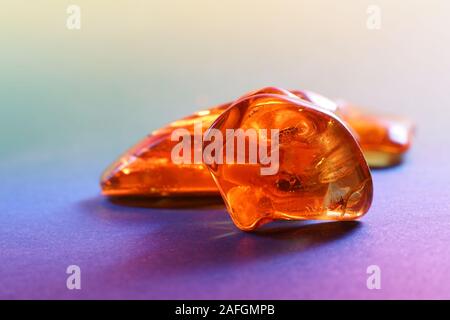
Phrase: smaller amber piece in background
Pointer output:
(322, 173)
(384, 139)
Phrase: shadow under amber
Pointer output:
(207, 202)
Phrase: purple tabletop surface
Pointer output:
(54, 217)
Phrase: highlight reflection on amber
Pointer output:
(147, 170)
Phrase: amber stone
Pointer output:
(322, 172)
(147, 170)
(384, 139)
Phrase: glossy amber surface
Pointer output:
(147, 170)
(322, 171)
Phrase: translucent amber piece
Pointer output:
(322, 173)
(147, 169)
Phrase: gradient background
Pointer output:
(71, 101)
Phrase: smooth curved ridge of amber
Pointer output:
(147, 170)
(322, 171)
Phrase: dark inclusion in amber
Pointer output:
(322, 172)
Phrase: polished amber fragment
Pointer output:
(322, 173)
(147, 169)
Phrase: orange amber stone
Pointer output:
(384, 139)
(322, 173)
(147, 170)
